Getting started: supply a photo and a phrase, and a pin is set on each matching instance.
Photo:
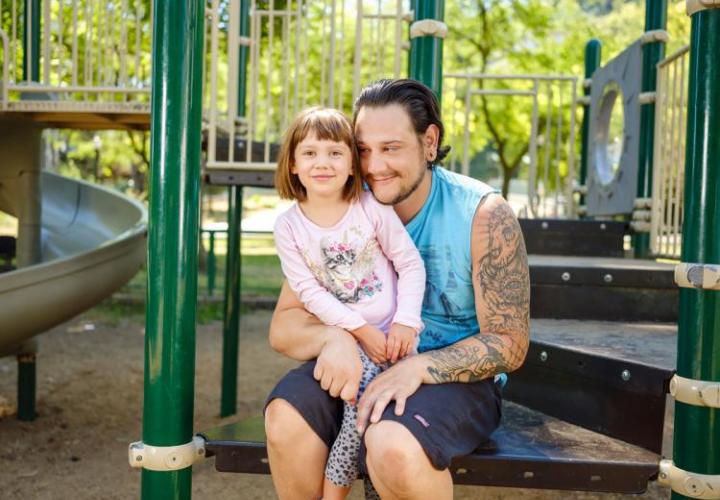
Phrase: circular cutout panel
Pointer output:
(609, 133)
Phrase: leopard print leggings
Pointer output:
(342, 464)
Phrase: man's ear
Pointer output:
(430, 141)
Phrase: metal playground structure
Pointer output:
(95, 73)
(223, 81)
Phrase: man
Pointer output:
(442, 403)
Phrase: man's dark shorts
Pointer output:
(448, 420)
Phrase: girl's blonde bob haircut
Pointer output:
(328, 125)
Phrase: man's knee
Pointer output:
(394, 454)
(283, 423)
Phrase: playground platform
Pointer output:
(616, 373)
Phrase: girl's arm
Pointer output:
(399, 248)
(316, 299)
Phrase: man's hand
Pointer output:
(373, 342)
(400, 342)
(397, 383)
(338, 367)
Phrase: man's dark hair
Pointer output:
(418, 101)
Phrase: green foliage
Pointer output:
(531, 37)
(117, 157)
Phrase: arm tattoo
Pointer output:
(503, 279)
(469, 363)
(503, 274)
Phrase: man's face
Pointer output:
(392, 157)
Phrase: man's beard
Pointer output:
(404, 194)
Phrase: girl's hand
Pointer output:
(400, 342)
(373, 342)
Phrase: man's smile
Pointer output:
(381, 179)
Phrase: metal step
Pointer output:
(602, 288)
(574, 237)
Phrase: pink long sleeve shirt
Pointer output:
(364, 269)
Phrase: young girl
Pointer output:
(348, 259)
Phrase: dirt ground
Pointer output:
(90, 384)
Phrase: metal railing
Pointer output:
(669, 155)
(544, 108)
(287, 73)
(94, 55)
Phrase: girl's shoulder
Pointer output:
(375, 210)
(367, 198)
(287, 218)
(369, 203)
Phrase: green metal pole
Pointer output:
(173, 237)
(231, 315)
(30, 240)
(29, 252)
(593, 56)
(211, 263)
(696, 445)
(655, 19)
(426, 51)
(26, 387)
(31, 40)
(244, 53)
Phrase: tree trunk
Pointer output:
(507, 177)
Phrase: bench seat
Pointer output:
(529, 450)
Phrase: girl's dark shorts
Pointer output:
(448, 420)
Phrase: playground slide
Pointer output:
(93, 242)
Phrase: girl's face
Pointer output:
(322, 166)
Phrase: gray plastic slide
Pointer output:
(93, 242)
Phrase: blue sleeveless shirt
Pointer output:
(441, 231)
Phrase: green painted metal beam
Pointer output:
(655, 19)
(243, 56)
(696, 445)
(30, 240)
(173, 235)
(31, 40)
(593, 57)
(231, 314)
(211, 263)
(26, 387)
(426, 51)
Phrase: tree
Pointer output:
(538, 37)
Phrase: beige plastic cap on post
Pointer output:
(694, 6)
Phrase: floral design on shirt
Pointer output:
(347, 269)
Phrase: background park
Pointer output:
(524, 110)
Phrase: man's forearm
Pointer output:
(474, 358)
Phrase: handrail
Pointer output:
(672, 57)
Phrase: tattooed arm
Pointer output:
(501, 284)
(502, 302)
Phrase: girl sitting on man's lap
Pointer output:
(348, 259)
